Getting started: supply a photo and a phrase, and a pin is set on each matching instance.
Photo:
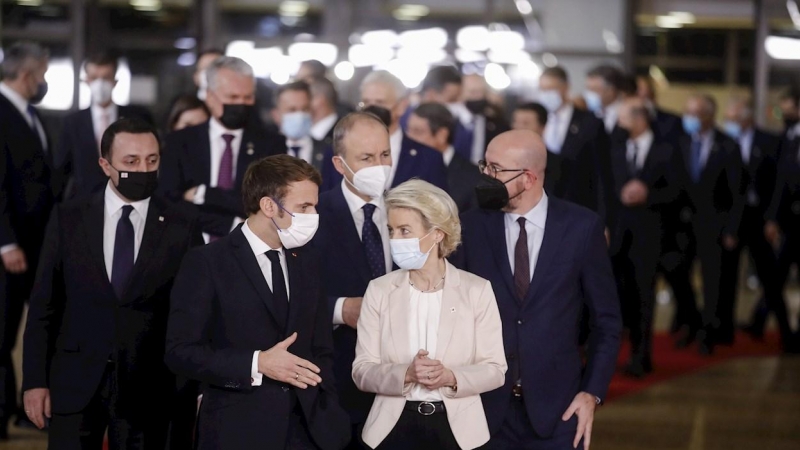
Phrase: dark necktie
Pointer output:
(294, 150)
(225, 176)
(633, 168)
(522, 262)
(123, 252)
(279, 296)
(373, 245)
(697, 168)
(32, 114)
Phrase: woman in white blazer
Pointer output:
(429, 335)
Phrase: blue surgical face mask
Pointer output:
(691, 124)
(406, 253)
(593, 101)
(296, 125)
(732, 129)
(550, 99)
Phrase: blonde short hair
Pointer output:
(435, 207)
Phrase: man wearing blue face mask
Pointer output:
(602, 95)
(714, 186)
(292, 115)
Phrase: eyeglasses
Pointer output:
(493, 170)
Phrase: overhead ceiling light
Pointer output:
(549, 60)
(427, 38)
(496, 76)
(293, 8)
(524, 7)
(146, 5)
(613, 45)
(779, 47)
(369, 55)
(187, 59)
(186, 43)
(474, 38)
(344, 70)
(794, 13)
(668, 22)
(320, 51)
(502, 41)
(381, 38)
(411, 12)
(508, 56)
(469, 56)
(683, 17)
(29, 2)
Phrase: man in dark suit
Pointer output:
(354, 236)
(258, 337)
(533, 117)
(410, 159)
(94, 341)
(25, 200)
(292, 115)
(759, 152)
(713, 173)
(546, 259)
(75, 158)
(644, 183)
(433, 125)
(205, 164)
(324, 99)
(665, 125)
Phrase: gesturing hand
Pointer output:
(583, 406)
(280, 365)
(423, 368)
(14, 261)
(37, 405)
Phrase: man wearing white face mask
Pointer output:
(249, 319)
(75, 159)
(354, 238)
(292, 114)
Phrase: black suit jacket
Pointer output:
(785, 205)
(187, 163)
(462, 177)
(667, 127)
(75, 158)
(76, 322)
(222, 312)
(760, 172)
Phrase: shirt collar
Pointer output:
(448, 155)
(114, 202)
(258, 246)
(536, 216)
(565, 113)
(303, 142)
(355, 203)
(97, 110)
(320, 129)
(13, 96)
(644, 141)
(217, 129)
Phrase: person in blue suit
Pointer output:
(546, 259)
(410, 159)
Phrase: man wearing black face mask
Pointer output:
(205, 164)
(94, 340)
(25, 199)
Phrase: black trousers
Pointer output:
(183, 414)
(517, 433)
(790, 254)
(417, 432)
(85, 430)
(675, 264)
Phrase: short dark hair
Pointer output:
(271, 176)
(132, 125)
(301, 86)
(438, 117)
(347, 123)
(104, 58)
(317, 69)
(536, 108)
(628, 84)
(324, 87)
(439, 77)
(556, 72)
(182, 104)
(611, 75)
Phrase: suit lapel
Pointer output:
(405, 162)
(87, 129)
(297, 286)
(154, 226)
(496, 232)
(94, 220)
(554, 233)
(247, 154)
(447, 317)
(572, 132)
(348, 233)
(203, 154)
(399, 299)
(249, 265)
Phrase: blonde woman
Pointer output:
(429, 335)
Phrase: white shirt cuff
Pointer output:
(255, 375)
(200, 195)
(337, 311)
(8, 248)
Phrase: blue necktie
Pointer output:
(696, 163)
(294, 151)
(280, 298)
(123, 252)
(373, 246)
(32, 115)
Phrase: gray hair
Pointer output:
(19, 57)
(231, 63)
(387, 79)
(347, 123)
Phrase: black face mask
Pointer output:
(235, 117)
(136, 186)
(41, 91)
(476, 106)
(492, 193)
(790, 122)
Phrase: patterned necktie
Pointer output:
(373, 246)
(697, 169)
(123, 252)
(633, 156)
(279, 296)
(225, 177)
(522, 262)
(294, 150)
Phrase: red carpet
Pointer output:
(669, 362)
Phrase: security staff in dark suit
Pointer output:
(75, 159)
(324, 99)
(759, 152)
(666, 125)
(353, 235)
(250, 320)
(533, 117)
(25, 200)
(292, 115)
(433, 125)
(94, 341)
(713, 163)
(643, 181)
(205, 164)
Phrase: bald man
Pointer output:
(546, 259)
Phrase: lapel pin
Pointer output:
(452, 310)
(318, 157)
(160, 218)
(294, 254)
(250, 150)
(413, 152)
(573, 129)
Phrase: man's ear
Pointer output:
(268, 207)
(338, 164)
(105, 166)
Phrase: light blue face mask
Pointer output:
(550, 99)
(691, 124)
(406, 253)
(593, 101)
(732, 129)
(296, 125)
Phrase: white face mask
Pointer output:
(406, 253)
(202, 90)
(300, 232)
(550, 99)
(101, 91)
(370, 181)
(460, 111)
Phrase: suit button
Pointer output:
(520, 322)
(285, 389)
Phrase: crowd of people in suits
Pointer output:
(232, 283)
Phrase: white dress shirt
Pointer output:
(610, 115)
(535, 220)
(321, 129)
(555, 132)
(448, 155)
(707, 140)
(102, 118)
(306, 150)
(642, 146)
(21, 104)
(746, 144)
(111, 216)
(396, 146)
(260, 248)
(478, 138)
(423, 331)
(355, 203)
